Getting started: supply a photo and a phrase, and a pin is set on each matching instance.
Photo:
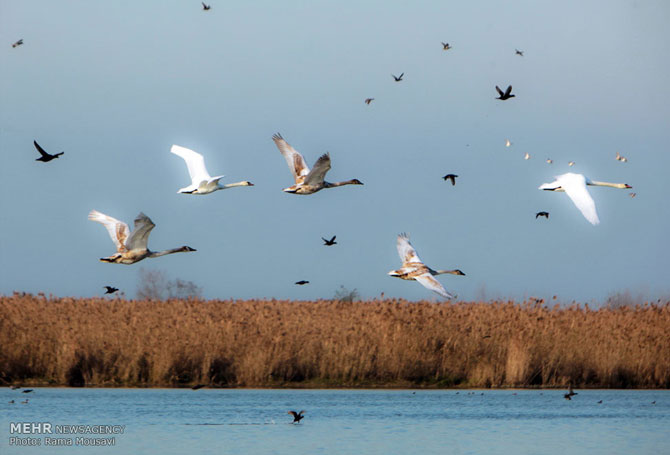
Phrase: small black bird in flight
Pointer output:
(369, 100)
(110, 289)
(18, 43)
(45, 156)
(27, 391)
(297, 416)
(330, 242)
(518, 52)
(544, 214)
(505, 96)
(451, 177)
(398, 78)
(301, 282)
(206, 7)
(445, 46)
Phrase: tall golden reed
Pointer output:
(67, 341)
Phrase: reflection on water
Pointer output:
(170, 421)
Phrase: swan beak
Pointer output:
(393, 273)
(627, 185)
(458, 272)
(289, 190)
(250, 184)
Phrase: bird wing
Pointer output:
(575, 187)
(508, 91)
(500, 92)
(40, 149)
(406, 251)
(318, 172)
(429, 282)
(296, 163)
(195, 163)
(118, 230)
(139, 238)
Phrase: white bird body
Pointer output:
(414, 269)
(201, 181)
(131, 247)
(574, 186)
(307, 181)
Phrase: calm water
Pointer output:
(169, 421)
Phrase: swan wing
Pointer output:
(318, 172)
(296, 163)
(429, 282)
(140, 236)
(406, 251)
(195, 163)
(575, 187)
(118, 230)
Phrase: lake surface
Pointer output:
(179, 421)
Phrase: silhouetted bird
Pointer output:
(369, 100)
(398, 78)
(301, 282)
(445, 46)
(518, 52)
(198, 386)
(25, 401)
(206, 7)
(506, 95)
(330, 242)
(600, 402)
(571, 392)
(567, 396)
(45, 156)
(451, 177)
(544, 214)
(27, 391)
(110, 290)
(18, 43)
(11, 401)
(653, 402)
(297, 416)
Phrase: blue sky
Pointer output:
(115, 85)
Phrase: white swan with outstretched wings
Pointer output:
(201, 181)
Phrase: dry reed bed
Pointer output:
(66, 341)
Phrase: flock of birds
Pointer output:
(132, 246)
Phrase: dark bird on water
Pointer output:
(18, 43)
(297, 416)
(11, 401)
(27, 391)
(206, 7)
(25, 401)
(198, 386)
(451, 177)
(445, 46)
(506, 95)
(544, 214)
(301, 282)
(518, 52)
(398, 78)
(600, 402)
(46, 157)
(110, 289)
(329, 242)
(369, 100)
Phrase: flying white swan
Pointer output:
(306, 181)
(574, 186)
(131, 247)
(413, 269)
(201, 181)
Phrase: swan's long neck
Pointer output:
(181, 249)
(611, 185)
(231, 185)
(347, 182)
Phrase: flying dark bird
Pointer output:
(451, 177)
(301, 282)
(18, 43)
(297, 416)
(571, 393)
(27, 391)
(369, 100)
(518, 52)
(398, 78)
(567, 397)
(198, 386)
(445, 46)
(330, 242)
(45, 156)
(206, 7)
(505, 96)
(110, 289)
(600, 402)
(544, 214)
